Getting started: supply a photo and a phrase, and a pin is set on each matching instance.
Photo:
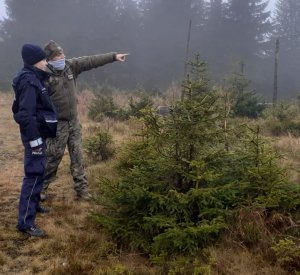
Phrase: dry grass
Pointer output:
(74, 244)
(289, 147)
(234, 260)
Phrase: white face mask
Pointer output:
(58, 64)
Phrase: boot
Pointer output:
(33, 231)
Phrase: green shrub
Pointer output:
(246, 101)
(99, 147)
(282, 119)
(247, 105)
(138, 105)
(184, 265)
(104, 106)
(288, 254)
(101, 106)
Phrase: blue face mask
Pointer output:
(58, 64)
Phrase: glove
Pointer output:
(37, 151)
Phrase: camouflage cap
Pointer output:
(52, 49)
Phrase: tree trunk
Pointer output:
(275, 93)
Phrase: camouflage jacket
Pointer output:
(62, 84)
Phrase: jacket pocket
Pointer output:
(49, 125)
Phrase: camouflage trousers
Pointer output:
(68, 135)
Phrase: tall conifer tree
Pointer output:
(287, 29)
(287, 24)
(247, 29)
(164, 35)
(215, 35)
(81, 27)
(248, 25)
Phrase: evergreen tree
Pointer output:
(247, 29)
(237, 31)
(81, 27)
(245, 100)
(164, 35)
(248, 25)
(214, 36)
(287, 24)
(287, 29)
(178, 187)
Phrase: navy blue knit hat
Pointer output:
(32, 54)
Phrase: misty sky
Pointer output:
(2, 7)
(272, 4)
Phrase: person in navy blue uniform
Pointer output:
(36, 116)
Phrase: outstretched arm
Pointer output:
(86, 63)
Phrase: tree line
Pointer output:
(155, 32)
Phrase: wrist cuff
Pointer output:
(35, 143)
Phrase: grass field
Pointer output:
(74, 245)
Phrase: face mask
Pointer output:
(58, 64)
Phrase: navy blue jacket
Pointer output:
(32, 107)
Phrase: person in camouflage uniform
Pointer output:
(62, 90)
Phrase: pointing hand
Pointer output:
(121, 56)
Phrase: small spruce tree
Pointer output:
(178, 185)
(246, 100)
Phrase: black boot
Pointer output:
(32, 231)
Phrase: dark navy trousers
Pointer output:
(34, 168)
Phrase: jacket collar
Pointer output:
(42, 75)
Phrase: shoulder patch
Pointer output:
(70, 76)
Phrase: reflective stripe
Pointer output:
(29, 200)
(51, 120)
(35, 143)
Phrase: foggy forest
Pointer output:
(182, 157)
(156, 33)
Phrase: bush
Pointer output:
(137, 106)
(104, 106)
(100, 146)
(184, 265)
(247, 105)
(288, 254)
(282, 119)
(246, 101)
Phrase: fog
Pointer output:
(154, 32)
